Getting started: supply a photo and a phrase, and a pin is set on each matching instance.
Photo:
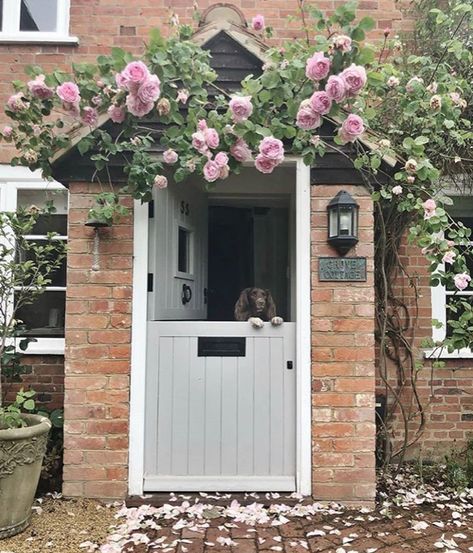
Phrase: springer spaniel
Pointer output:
(256, 305)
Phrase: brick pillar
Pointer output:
(97, 365)
(343, 364)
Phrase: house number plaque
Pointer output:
(342, 268)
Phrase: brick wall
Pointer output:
(445, 393)
(98, 322)
(102, 24)
(343, 367)
(45, 374)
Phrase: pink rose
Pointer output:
(16, 102)
(257, 23)
(120, 80)
(352, 128)
(199, 143)
(354, 78)
(202, 125)
(315, 140)
(7, 132)
(136, 107)
(211, 171)
(68, 92)
(241, 108)
(321, 102)
(97, 100)
(90, 116)
(317, 67)
(39, 89)
(211, 138)
(133, 76)
(462, 280)
(335, 88)
(265, 164)
(342, 42)
(429, 208)
(182, 95)
(397, 190)
(116, 113)
(160, 181)
(449, 257)
(272, 148)
(170, 156)
(224, 171)
(307, 118)
(240, 151)
(221, 159)
(149, 91)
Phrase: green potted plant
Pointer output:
(26, 268)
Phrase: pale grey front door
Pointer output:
(220, 422)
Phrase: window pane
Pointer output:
(183, 251)
(38, 15)
(58, 277)
(1, 15)
(451, 316)
(45, 317)
(55, 222)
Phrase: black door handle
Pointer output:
(186, 294)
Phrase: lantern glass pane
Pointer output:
(346, 222)
(333, 222)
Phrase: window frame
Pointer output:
(439, 296)
(12, 180)
(11, 25)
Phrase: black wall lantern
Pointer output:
(342, 222)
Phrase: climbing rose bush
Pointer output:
(335, 77)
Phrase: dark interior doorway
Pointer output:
(230, 259)
(248, 246)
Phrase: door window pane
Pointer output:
(1, 15)
(45, 317)
(38, 15)
(183, 251)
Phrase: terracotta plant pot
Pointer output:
(21, 456)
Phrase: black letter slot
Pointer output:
(221, 347)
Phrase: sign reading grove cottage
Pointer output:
(342, 268)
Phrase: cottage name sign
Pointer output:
(342, 268)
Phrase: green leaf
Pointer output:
(367, 24)
(29, 405)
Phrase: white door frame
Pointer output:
(303, 320)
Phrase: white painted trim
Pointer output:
(11, 25)
(138, 350)
(442, 353)
(218, 483)
(303, 354)
(46, 346)
(303, 319)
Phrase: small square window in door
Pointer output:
(183, 250)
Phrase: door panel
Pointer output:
(220, 423)
(178, 253)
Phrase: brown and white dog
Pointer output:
(256, 305)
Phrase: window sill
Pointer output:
(437, 353)
(31, 39)
(46, 346)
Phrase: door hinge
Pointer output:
(151, 209)
(150, 282)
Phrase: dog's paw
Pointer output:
(276, 321)
(256, 322)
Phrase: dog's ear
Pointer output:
(242, 306)
(270, 305)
